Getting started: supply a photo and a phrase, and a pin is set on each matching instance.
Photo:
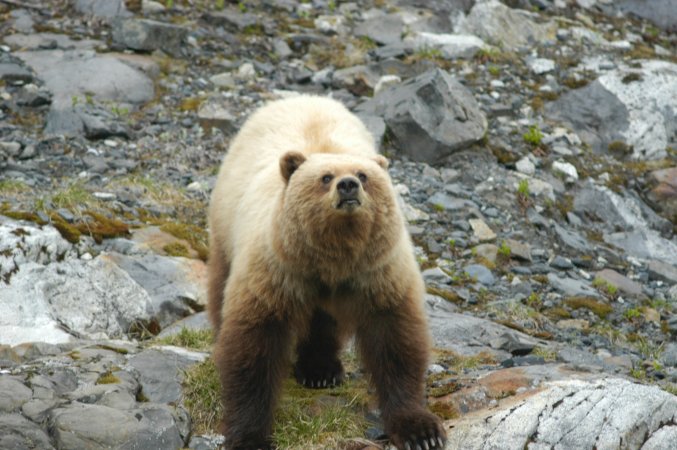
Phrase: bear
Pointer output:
(308, 247)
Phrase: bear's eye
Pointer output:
(327, 178)
(362, 177)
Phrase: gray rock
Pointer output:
(360, 80)
(232, 19)
(468, 335)
(383, 29)
(175, 286)
(574, 414)
(213, 114)
(559, 262)
(198, 321)
(623, 283)
(646, 244)
(13, 394)
(620, 212)
(148, 35)
(494, 22)
(480, 273)
(94, 298)
(161, 373)
(107, 9)
(18, 433)
(71, 76)
(12, 73)
(22, 19)
(669, 355)
(661, 271)
(450, 203)
(571, 287)
(639, 113)
(86, 426)
(662, 12)
(572, 239)
(436, 275)
(49, 41)
(430, 116)
(579, 358)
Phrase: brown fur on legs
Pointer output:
(318, 364)
(252, 357)
(393, 345)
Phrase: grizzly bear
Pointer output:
(308, 247)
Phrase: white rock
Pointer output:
(331, 24)
(106, 196)
(224, 80)
(566, 169)
(246, 71)
(386, 81)
(525, 166)
(481, 230)
(450, 45)
(541, 65)
(151, 7)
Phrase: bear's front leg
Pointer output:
(318, 364)
(251, 356)
(394, 346)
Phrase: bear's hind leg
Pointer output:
(318, 364)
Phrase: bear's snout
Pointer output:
(348, 189)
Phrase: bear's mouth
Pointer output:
(348, 204)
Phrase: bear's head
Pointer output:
(339, 204)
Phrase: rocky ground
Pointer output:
(534, 147)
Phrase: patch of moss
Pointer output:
(557, 313)
(547, 354)
(176, 249)
(190, 338)
(503, 155)
(444, 389)
(443, 410)
(67, 231)
(620, 148)
(533, 136)
(195, 236)
(107, 378)
(118, 350)
(598, 308)
(458, 362)
(629, 78)
(190, 104)
(448, 295)
(102, 227)
(575, 83)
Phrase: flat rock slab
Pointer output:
(572, 287)
(468, 335)
(430, 116)
(623, 283)
(176, 286)
(18, 433)
(94, 426)
(148, 35)
(646, 244)
(640, 113)
(603, 414)
(161, 372)
(74, 76)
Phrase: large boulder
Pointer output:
(606, 413)
(496, 23)
(88, 90)
(635, 106)
(148, 35)
(430, 116)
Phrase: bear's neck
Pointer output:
(335, 251)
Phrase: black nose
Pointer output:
(347, 187)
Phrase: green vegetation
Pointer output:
(547, 354)
(600, 309)
(305, 418)
(534, 136)
(107, 378)
(448, 295)
(632, 313)
(189, 338)
(176, 249)
(504, 250)
(194, 235)
(605, 287)
(523, 194)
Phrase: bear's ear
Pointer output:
(381, 161)
(289, 162)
